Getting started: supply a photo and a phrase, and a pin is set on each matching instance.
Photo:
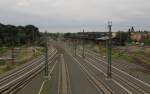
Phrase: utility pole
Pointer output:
(75, 46)
(72, 48)
(70, 44)
(33, 42)
(33, 37)
(12, 47)
(83, 48)
(12, 54)
(120, 39)
(46, 55)
(109, 50)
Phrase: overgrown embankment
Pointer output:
(24, 55)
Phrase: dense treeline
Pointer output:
(11, 35)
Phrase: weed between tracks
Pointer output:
(25, 55)
(47, 87)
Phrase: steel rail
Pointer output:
(101, 87)
(23, 76)
(124, 79)
(20, 71)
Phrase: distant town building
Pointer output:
(140, 36)
(92, 35)
(114, 34)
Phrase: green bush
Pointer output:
(2, 62)
(147, 42)
(7, 68)
(3, 50)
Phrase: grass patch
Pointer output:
(25, 55)
(3, 50)
(133, 55)
(116, 53)
(143, 58)
(47, 87)
(5, 68)
(102, 50)
(2, 62)
(121, 56)
(39, 51)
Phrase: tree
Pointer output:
(67, 34)
(14, 35)
(129, 35)
(123, 37)
(132, 29)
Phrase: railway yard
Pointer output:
(71, 73)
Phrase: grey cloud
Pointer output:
(75, 13)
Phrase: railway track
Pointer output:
(21, 70)
(11, 83)
(102, 58)
(99, 85)
(130, 83)
(28, 64)
(64, 78)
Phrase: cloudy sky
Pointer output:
(74, 15)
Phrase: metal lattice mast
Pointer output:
(46, 55)
(83, 53)
(109, 50)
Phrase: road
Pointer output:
(73, 74)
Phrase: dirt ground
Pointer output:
(140, 55)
